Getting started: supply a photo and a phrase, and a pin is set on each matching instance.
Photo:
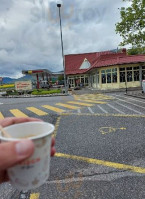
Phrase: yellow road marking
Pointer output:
(18, 113)
(106, 130)
(56, 126)
(103, 115)
(93, 97)
(68, 106)
(102, 162)
(1, 116)
(52, 108)
(37, 111)
(93, 101)
(34, 195)
(79, 103)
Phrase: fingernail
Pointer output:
(23, 148)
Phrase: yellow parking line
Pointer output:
(79, 103)
(93, 101)
(52, 108)
(68, 106)
(1, 116)
(18, 113)
(102, 162)
(37, 111)
(104, 115)
(34, 195)
(56, 126)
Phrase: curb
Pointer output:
(34, 96)
(141, 97)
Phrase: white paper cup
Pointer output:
(33, 172)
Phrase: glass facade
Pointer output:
(109, 76)
(129, 74)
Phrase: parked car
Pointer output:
(44, 84)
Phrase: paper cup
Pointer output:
(34, 171)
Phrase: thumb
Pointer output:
(12, 153)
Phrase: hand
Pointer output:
(11, 153)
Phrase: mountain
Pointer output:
(8, 80)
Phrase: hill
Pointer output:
(8, 80)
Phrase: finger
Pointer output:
(4, 176)
(13, 120)
(53, 151)
(52, 141)
(11, 153)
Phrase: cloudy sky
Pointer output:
(30, 34)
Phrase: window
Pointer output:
(143, 72)
(103, 77)
(82, 80)
(114, 75)
(109, 76)
(122, 76)
(136, 73)
(129, 74)
(86, 81)
(93, 79)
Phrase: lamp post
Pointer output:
(59, 6)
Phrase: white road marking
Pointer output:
(129, 108)
(91, 111)
(79, 110)
(115, 109)
(130, 98)
(1, 103)
(102, 109)
(130, 103)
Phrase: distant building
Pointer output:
(42, 75)
(105, 70)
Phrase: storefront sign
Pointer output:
(23, 85)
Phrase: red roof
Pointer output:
(117, 59)
(97, 60)
(74, 61)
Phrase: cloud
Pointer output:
(30, 34)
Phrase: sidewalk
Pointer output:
(134, 93)
(137, 93)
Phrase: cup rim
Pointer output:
(30, 138)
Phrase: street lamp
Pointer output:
(59, 6)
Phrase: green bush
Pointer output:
(45, 92)
(12, 92)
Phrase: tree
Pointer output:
(60, 77)
(132, 25)
(135, 51)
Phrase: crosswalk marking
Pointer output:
(68, 106)
(131, 103)
(1, 116)
(37, 111)
(18, 113)
(52, 108)
(102, 109)
(94, 102)
(79, 103)
(91, 111)
(129, 108)
(115, 109)
(93, 97)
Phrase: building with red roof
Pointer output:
(105, 70)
